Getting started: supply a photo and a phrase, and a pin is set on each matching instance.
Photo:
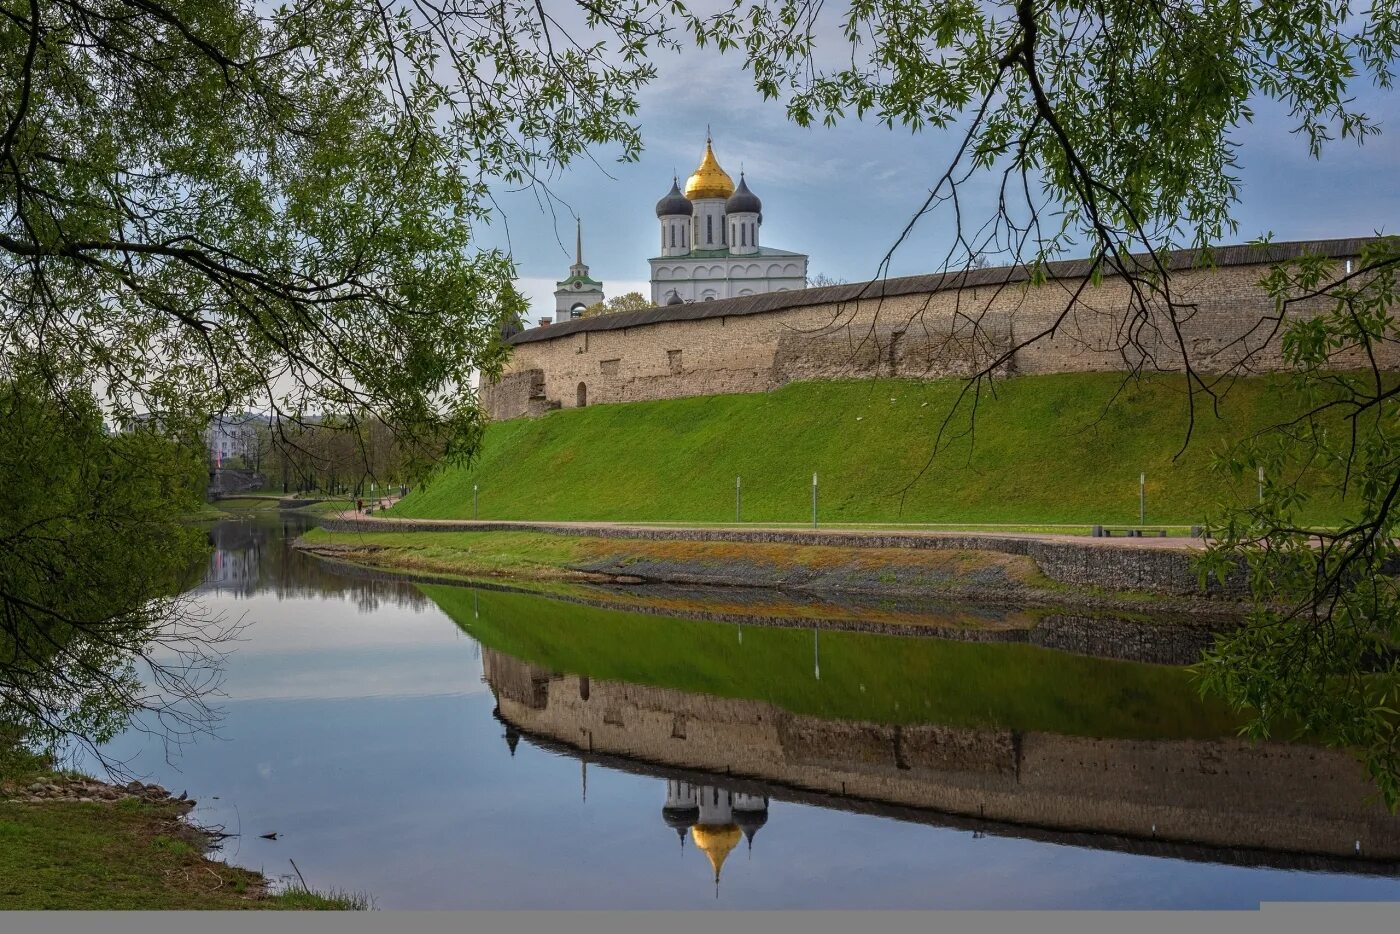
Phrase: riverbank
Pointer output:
(70, 842)
(1150, 577)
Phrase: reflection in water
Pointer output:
(1301, 806)
(363, 724)
(254, 555)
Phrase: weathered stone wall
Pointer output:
(518, 393)
(1222, 792)
(919, 328)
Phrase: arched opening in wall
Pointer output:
(582, 395)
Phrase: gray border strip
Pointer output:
(1271, 918)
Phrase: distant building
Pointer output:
(230, 436)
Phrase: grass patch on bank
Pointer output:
(127, 856)
(1049, 450)
(206, 512)
(247, 503)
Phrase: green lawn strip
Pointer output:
(882, 679)
(127, 855)
(247, 503)
(1049, 451)
(325, 507)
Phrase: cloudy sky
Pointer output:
(843, 194)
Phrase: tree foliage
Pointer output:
(1321, 652)
(213, 205)
(630, 301)
(92, 627)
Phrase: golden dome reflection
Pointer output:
(717, 841)
(709, 180)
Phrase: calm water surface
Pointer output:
(394, 753)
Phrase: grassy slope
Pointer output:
(920, 680)
(1046, 451)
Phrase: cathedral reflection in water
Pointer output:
(716, 818)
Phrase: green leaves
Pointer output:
(93, 555)
(1319, 654)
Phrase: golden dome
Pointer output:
(716, 841)
(709, 181)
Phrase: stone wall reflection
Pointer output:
(1226, 793)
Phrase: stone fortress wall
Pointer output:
(1227, 793)
(919, 327)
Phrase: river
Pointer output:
(443, 747)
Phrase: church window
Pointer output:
(673, 235)
(709, 229)
(744, 235)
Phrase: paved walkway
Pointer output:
(823, 535)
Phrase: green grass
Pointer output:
(327, 506)
(1047, 451)
(248, 503)
(126, 856)
(205, 512)
(881, 679)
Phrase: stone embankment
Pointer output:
(1158, 566)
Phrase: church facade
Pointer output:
(710, 242)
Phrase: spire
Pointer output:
(578, 243)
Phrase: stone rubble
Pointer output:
(90, 790)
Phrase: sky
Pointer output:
(843, 194)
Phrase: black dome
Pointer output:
(674, 203)
(749, 821)
(675, 300)
(680, 818)
(743, 201)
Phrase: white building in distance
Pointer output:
(710, 242)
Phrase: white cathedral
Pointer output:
(710, 242)
(709, 248)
